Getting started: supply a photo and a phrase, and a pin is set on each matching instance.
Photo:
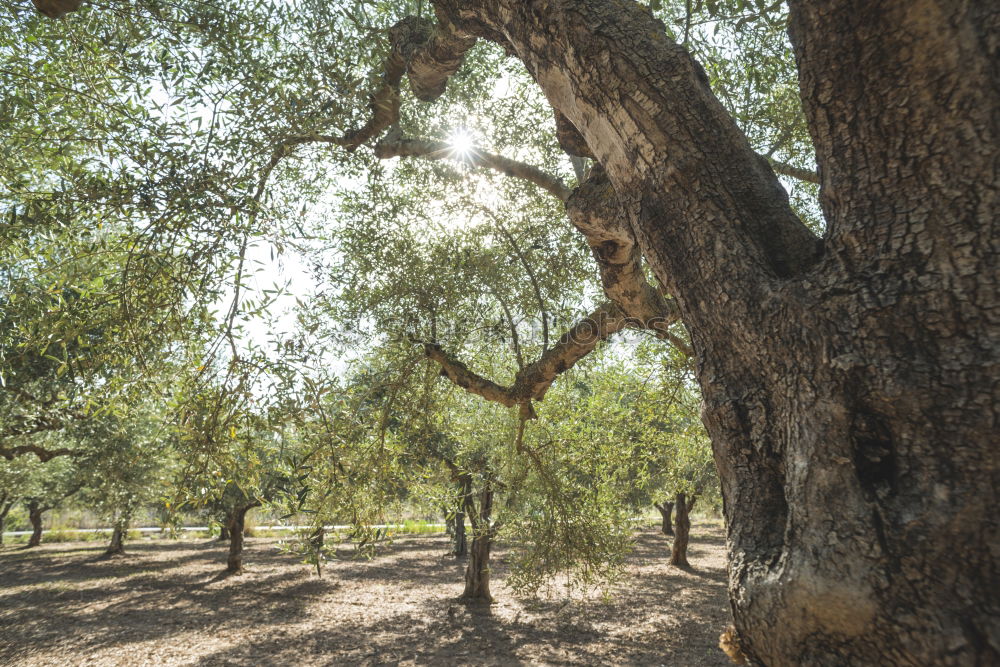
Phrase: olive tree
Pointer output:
(848, 377)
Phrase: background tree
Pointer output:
(48, 486)
(128, 469)
(14, 483)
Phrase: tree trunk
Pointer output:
(477, 572)
(35, 512)
(665, 510)
(449, 521)
(849, 385)
(237, 521)
(678, 552)
(117, 545)
(317, 541)
(224, 529)
(460, 548)
(5, 508)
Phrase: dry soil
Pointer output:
(165, 603)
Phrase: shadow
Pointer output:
(175, 601)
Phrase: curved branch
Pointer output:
(429, 53)
(467, 379)
(437, 150)
(43, 454)
(595, 211)
(533, 381)
(786, 169)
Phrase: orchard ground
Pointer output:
(166, 603)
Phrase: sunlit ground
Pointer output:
(165, 603)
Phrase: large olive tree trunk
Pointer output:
(850, 383)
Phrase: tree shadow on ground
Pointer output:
(399, 608)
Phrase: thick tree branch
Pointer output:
(43, 454)
(56, 8)
(429, 53)
(532, 381)
(467, 379)
(786, 169)
(594, 209)
(645, 110)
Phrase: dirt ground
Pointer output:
(165, 604)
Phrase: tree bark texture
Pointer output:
(679, 549)
(237, 522)
(35, 511)
(666, 527)
(477, 572)
(849, 382)
(460, 548)
(119, 532)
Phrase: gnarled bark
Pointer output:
(849, 386)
